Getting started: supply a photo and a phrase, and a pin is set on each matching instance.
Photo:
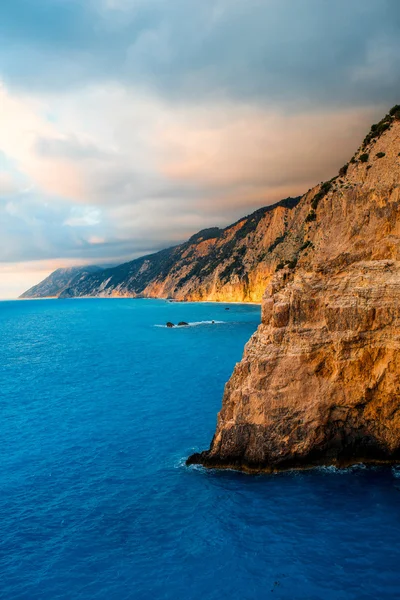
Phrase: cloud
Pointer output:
(261, 50)
(21, 122)
(127, 125)
(136, 173)
(66, 148)
(7, 185)
(83, 217)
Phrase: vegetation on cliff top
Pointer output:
(384, 124)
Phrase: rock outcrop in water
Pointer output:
(230, 265)
(319, 382)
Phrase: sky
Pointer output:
(128, 125)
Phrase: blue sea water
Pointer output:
(100, 408)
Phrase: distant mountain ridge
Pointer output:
(59, 280)
(229, 264)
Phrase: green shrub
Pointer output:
(325, 187)
(364, 157)
(380, 155)
(312, 215)
(280, 266)
(292, 263)
(395, 111)
(378, 128)
(277, 241)
(343, 170)
(307, 244)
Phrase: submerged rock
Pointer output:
(183, 324)
(169, 324)
(319, 382)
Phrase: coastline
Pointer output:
(171, 300)
(270, 470)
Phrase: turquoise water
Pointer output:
(100, 408)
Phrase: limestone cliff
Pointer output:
(231, 265)
(319, 382)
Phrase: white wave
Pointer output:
(180, 463)
(192, 324)
(198, 468)
(396, 471)
(342, 470)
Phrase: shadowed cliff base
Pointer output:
(247, 448)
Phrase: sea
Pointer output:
(100, 406)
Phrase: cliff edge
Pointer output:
(319, 382)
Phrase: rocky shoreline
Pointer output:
(209, 461)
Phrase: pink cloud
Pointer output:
(248, 149)
(21, 123)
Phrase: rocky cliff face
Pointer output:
(319, 382)
(231, 265)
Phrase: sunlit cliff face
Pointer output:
(318, 383)
(136, 123)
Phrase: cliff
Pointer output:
(319, 382)
(58, 281)
(231, 264)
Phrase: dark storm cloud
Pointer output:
(292, 51)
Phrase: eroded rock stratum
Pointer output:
(319, 382)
